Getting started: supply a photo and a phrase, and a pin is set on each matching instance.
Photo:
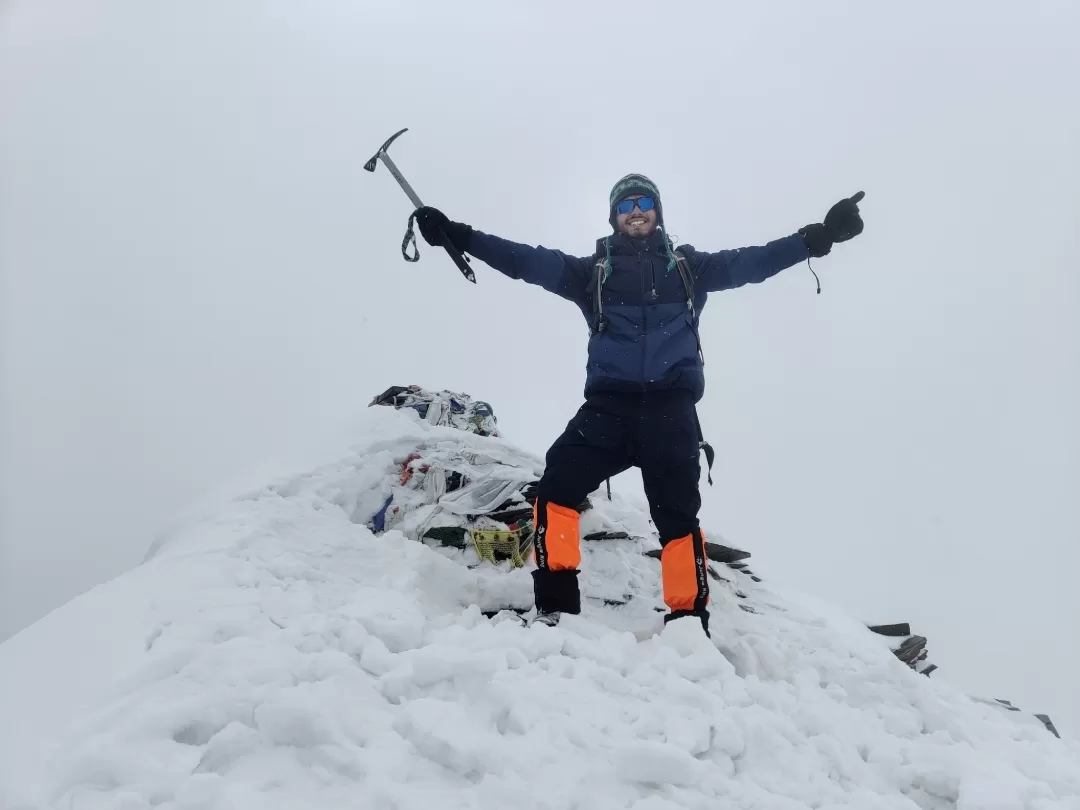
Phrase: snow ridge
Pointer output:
(279, 654)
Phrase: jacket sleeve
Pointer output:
(728, 269)
(555, 271)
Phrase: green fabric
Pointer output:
(633, 184)
(672, 261)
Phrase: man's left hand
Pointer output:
(841, 224)
(843, 220)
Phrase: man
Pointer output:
(644, 375)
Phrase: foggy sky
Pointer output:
(198, 280)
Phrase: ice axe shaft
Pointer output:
(385, 158)
(448, 246)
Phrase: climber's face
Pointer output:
(632, 220)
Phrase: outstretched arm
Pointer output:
(553, 270)
(728, 269)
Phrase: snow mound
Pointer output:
(279, 654)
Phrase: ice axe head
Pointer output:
(370, 165)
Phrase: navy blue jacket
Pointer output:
(649, 342)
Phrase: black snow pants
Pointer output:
(611, 432)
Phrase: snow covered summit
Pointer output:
(334, 641)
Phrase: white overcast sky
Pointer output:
(199, 280)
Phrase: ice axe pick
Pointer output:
(455, 254)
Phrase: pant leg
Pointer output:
(594, 446)
(669, 456)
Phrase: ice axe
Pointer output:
(455, 254)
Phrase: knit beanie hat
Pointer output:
(634, 184)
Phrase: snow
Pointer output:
(275, 653)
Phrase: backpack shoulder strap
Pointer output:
(683, 264)
(602, 268)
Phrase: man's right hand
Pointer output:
(841, 224)
(434, 223)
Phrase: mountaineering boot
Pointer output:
(685, 575)
(550, 619)
(556, 591)
(508, 615)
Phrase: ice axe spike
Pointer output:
(455, 254)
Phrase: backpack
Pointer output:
(599, 324)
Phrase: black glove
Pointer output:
(841, 223)
(434, 223)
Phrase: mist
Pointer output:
(200, 283)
